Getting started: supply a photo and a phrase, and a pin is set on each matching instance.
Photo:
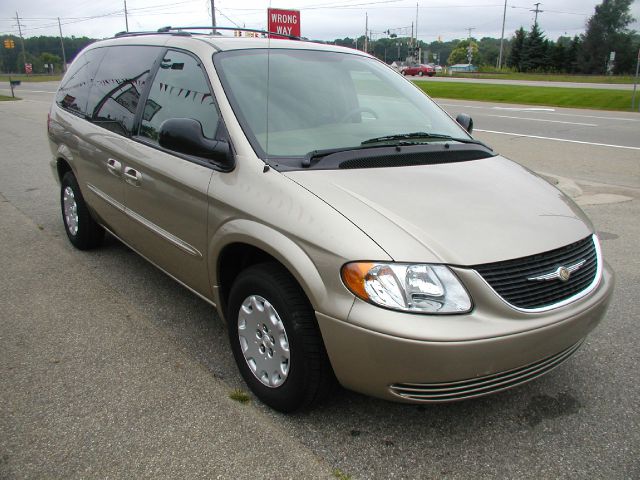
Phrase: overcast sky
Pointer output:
(320, 19)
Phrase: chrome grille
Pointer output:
(512, 279)
(480, 386)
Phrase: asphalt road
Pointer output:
(111, 369)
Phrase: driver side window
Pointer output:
(179, 90)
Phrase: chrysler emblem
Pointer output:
(561, 273)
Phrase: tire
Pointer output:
(404, 73)
(304, 379)
(83, 231)
(420, 73)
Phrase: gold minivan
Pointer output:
(344, 226)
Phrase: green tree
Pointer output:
(607, 31)
(517, 46)
(51, 59)
(460, 52)
(534, 52)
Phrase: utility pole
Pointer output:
(366, 32)
(213, 16)
(470, 29)
(64, 56)
(504, 18)
(126, 18)
(537, 10)
(24, 55)
(417, 51)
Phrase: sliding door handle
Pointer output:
(132, 176)
(114, 167)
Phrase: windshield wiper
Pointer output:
(410, 138)
(387, 141)
(315, 154)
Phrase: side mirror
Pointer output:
(184, 135)
(465, 121)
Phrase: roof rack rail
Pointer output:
(264, 32)
(153, 32)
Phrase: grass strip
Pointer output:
(550, 96)
(31, 78)
(549, 77)
(4, 98)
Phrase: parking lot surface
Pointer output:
(111, 369)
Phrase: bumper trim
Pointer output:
(477, 387)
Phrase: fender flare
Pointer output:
(276, 244)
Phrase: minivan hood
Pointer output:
(466, 213)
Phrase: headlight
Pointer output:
(410, 288)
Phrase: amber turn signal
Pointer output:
(354, 276)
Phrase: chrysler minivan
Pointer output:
(346, 228)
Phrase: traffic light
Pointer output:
(8, 43)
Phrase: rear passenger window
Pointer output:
(74, 89)
(117, 87)
(179, 90)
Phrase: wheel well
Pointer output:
(63, 167)
(232, 260)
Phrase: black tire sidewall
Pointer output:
(292, 393)
(89, 233)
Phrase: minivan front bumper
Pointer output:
(426, 371)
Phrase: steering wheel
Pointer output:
(357, 110)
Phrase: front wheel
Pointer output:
(276, 341)
(83, 231)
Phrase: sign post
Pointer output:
(635, 85)
(285, 22)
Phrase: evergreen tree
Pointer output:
(572, 55)
(534, 52)
(517, 46)
(607, 32)
(558, 57)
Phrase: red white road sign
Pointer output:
(286, 22)
(28, 68)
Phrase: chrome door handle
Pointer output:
(132, 176)
(114, 167)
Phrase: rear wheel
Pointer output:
(83, 231)
(420, 73)
(275, 339)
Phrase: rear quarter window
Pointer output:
(74, 88)
(119, 82)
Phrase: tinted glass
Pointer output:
(123, 74)
(291, 102)
(179, 90)
(74, 88)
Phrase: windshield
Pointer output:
(322, 100)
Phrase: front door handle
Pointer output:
(114, 167)
(132, 176)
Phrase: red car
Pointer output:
(420, 70)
